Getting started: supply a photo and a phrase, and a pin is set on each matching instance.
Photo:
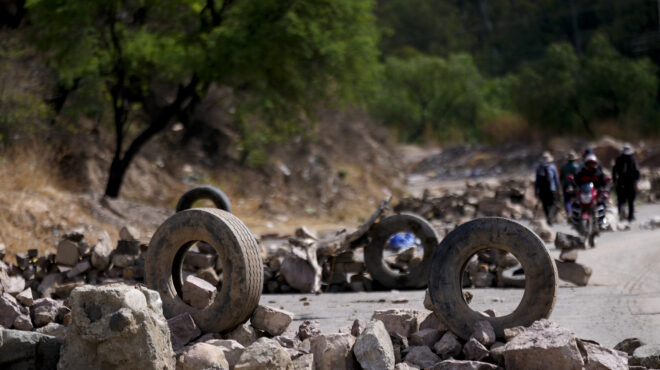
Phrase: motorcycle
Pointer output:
(588, 212)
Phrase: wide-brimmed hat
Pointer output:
(627, 149)
(547, 157)
(572, 156)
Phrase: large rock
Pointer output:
(44, 311)
(54, 329)
(573, 272)
(116, 326)
(197, 292)
(474, 351)
(300, 274)
(10, 309)
(271, 320)
(373, 348)
(448, 346)
(452, 364)
(421, 357)
(100, 257)
(26, 297)
(629, 345)
(264, 354)
(309, 329)
(231, 348)
(67, 253)
(647, 355)
(425, 337)
(304, 362)
(400, 321)
(543, 345)
(13, 284)
(243, 334)
(28, 350)
(23, 322)
(333, 351)
(567, 241)
(183, 329)
(432, 322)
(600, 358)
(568, 255)
(202, 356)
(483, 332)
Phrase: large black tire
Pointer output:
(373, 252)
(452, 255)
(217, 196)
(237, 250)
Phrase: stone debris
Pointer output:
(568, 241)
(425, 337)
(271, 320)
(373, 348)
(448, 346)
(483, 332)
(28, 350)
(309, 329)
(183, 330)
(629, 345)
(573, 272)
(44, 311)
(264, 354)
(197, 292)
(231, 349)
(568, 255)
(647, 355)
(598, 357)
(243, 334)
(333, 351)
(200, 356)
(474, 350)
(452, 364)
(421, 357)
(400, 321)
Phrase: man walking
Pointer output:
(546, 185)
(625, 176)
(570, 168)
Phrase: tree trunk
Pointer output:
(116, 177)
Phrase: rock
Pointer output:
(209, 275)
(129, 247)
(358, 327)
(474, 350)
(421, 356)
(116, 326)
(309, 329)
(597, 357)
(9, 310)
(373, 348)
(629, 345)
(400, 345)
(199, 260)
(197, 292)
(452, 364)
(44, 311)
(300, 274)
(49, 284)
(425, 337)
(13, 284)
(25, 297)
(483, 332)
(428, 304)
(404, 366)
(243, 334)
(304, 362)
(128, 233)
(271, 320)
(432, 322)
(568, 255)
(67, 253)
(647, 355)
(183, 330)
(497, 353)
(133, 273)
(448, 346)
(573, 272)
(100, 256)
(201, 356)
(510, 333)
(56, 330)
(401, 321)
(28, 350)
(567, 241)
(333, 351)
(264, 354)
(23, 322)
(543, 345)
(231, 348)
(123, 260)
(541, 228)
(78, 269)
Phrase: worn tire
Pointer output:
(238, 251)
(217, 196)
(452, 255)
(373, 252)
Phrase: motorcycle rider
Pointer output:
(567, 174)
(624, 176)
(591, 172)
(546, 185)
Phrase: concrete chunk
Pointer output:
(373, 348)
(197, 292)
(271, 320)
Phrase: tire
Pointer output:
(452, 255)
(217, 196)
(236, 248)
(373, 252)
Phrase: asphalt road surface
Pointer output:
(621, 301)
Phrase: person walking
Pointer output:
(546, 185)
(567, 176)
(625, 175)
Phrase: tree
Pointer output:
(157, 59)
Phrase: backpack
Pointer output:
(543, 177)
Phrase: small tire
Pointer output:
(217, 196)
(452, 255)
(373, 252)
(237, 250)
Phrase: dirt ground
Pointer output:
(621, 301)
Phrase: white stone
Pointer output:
(373, 348)
(271, 320)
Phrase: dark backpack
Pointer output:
(543, 177)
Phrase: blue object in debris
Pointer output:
(403, 240)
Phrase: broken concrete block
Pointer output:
(300, 274)
(265, 353)
(543, 345)
(373, 348)
(28, 350)
(448, 346)
(421, 357)
(183, 330)
(598, 357)
(201, 356)
(67, 253)
(425, 337)
(197, 292)
(44, 311)
(401, 321)
(474, 350)
(483, 332)
(573, 272)
(333, 351)
(271, 320)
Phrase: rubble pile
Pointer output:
(118, 325)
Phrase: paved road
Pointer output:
(622, 300)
